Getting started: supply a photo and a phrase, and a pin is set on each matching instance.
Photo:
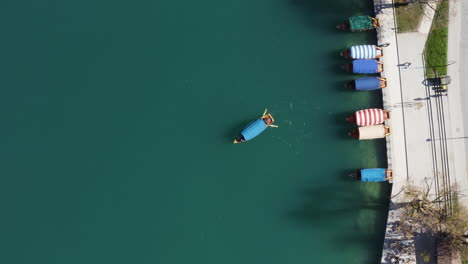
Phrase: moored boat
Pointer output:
(370, 132)
(360, 52)
(367, 84)
(255, 128)
(369, 117)
(359, 23)
(363, 66)
(372, 175)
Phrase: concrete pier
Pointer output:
(427, 144)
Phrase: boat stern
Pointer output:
(239, 139)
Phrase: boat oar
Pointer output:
(273, 125)
(264, 112)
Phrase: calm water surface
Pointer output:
(118, 119)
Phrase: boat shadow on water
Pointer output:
(314, 11)
(341, 86)
(338, 71)
(325, 207)
(343, 127)
(325, 204)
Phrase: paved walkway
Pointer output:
(428, 141)
(426, 20)
(396, 142)
(458, 94)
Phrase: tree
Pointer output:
(432, 4)
(425, 2)
(439, 214)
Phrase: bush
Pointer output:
(436, 51)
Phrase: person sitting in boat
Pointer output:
(267, 121)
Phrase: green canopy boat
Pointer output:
(359, 23)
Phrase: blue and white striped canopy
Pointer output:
(363, 52)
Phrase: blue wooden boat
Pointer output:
(368, 83)
(373, 175)
(363, 66)
(255, 128)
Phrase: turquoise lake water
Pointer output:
(118, 121)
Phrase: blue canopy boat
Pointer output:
(255, 128)
(373, 175)
(364, 66)
(368, 84)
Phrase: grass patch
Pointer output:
(465, 257)
(436, 52)
(408, 17)
(441, 16)
(437, 42)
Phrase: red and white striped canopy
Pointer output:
(369, 117)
